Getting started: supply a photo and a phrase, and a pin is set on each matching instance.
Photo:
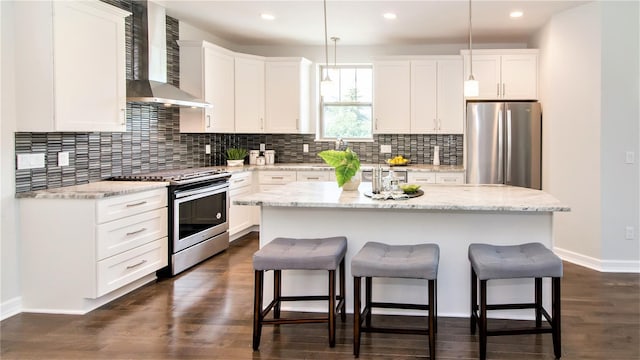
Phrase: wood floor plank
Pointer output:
(206, 313)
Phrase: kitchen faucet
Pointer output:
(340, 143)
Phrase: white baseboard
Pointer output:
(10, 307)
(620, 266)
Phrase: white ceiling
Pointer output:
(361, 22)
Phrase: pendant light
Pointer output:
(471, 85)
(326, 83)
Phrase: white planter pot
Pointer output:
(235, 162)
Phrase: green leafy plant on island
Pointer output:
(236, 153)
(346, 163)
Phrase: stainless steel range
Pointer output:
(198, 210)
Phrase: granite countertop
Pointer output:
(436, 197)
(325, 167)
(94, 190)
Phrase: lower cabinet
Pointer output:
(418, 177)
(79, 254)
(241, 217)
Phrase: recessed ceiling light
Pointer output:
(390, 16)
(266, 16)
(516, 14)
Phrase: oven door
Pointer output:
(199, 214)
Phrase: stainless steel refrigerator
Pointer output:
(504, 143)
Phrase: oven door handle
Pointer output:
(204, 190)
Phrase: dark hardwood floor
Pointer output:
(206, 313)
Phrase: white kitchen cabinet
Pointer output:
(391, 97)
(241, 218)
(80, 253)
(422, 177)
(207, 72)
(504, 74)
(287, 96)
(249, 93)
(437, 99)
(272, 179)
(70, 62)
(308, 176)
(449, 178)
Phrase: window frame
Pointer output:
(321, 103)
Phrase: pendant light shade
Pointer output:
(471, 85)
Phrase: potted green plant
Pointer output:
(235, 156)
(346, 164)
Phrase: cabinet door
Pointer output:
(391, 97)
(520, 77)
(450, 92)
(421, 178)
(283, 97)
(249, 95)
(424, 81)
(486, 69)
(450, 178)
(219, 89)
(89, 67)
(240, 216)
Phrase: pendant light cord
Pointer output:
(326, 45)
(470, 46)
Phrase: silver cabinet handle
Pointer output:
(376, 123)
(136, 232)
(435, 124)
(136, 265)
(261, 123)
(137, 204)
(498, 89)
(504, 91)
(208, 121)
(313, 178)
(238, 181)
(124, 117)
(277, 177)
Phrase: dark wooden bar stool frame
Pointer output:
(479, 314)
(365, 315)
(259, 314)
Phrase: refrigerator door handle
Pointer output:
(500, 147)
(508, 163)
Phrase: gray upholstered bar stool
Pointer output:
(394, 261)
(531, 260)
(299, 254)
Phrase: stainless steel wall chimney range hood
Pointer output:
(150, 61)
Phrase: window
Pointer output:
(345, 111)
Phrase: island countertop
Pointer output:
(436, 197)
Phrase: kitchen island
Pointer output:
(451, 216)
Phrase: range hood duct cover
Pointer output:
(150, 84)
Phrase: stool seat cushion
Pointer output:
(399, 261)
(514, 261)
(301, 254)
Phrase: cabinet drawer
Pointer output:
(450, 178)
(125, 234)
(421, 178)
(121, 269)
(122, 206)
(239, 180)
(277, 177)
(313, 175)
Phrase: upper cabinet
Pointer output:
(391, 97)
(437, 100)
(287, 95)
(504, 74)
(207, 71)
(70, 66)
(249, 94)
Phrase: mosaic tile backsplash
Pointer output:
(153, 141)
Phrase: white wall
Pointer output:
(588, 125)
(9, 245)
(619, 131)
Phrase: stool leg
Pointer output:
(257, 308)
(367, 300)
(357, 283)
(483, 319)
(474, 301)
(435, 306)
(277, 292)
(343, 292)
(538, 295)
(432, 316)
(556, 317)
(332, 308)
